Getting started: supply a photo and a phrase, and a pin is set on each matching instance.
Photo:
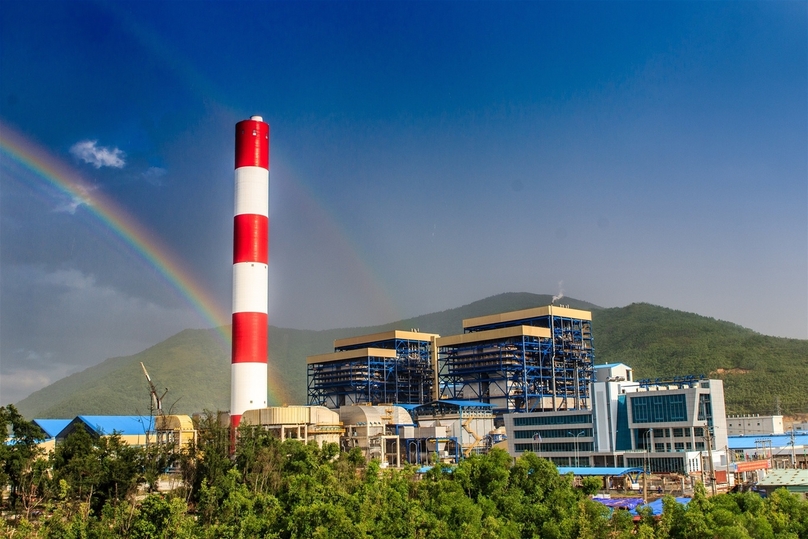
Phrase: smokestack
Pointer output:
(248, 367)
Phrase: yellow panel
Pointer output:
(494, 334)
(385, 336)
(351, 354)
(536, 312)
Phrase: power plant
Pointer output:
(524, 380)
(407, 396)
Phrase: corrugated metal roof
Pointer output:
(52, 427)
(785, 478)
(463, 403)
(777, 440)
(597, 470)
(122, 424)
(610, 365)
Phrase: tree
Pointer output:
(18, 457)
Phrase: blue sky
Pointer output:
(423, 155)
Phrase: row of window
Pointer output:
(682, 432)
(542, 447)
(657, 465)
(539, 435)
(552, 420)
(678, 446)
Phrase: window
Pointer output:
(687, 431)
(705, 409)
(658, 408)
(679, 446)
(552, 420)
(543, 447)
(553, 433)
(698, 431)
(699, 446)
(659, 448)
(678, 433)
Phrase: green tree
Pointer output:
(18, 457)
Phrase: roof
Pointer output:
(611, 365)
(632, 504)
(785, 478)
(527, 314)
(465, 403)
(52, 427)
(777, 440)
(597, 470)
(124, 425)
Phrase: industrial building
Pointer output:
(175, 430)
(377, 431)
(305, 423)
(393, 367)
(788, 450)
(746, 425)
(538, 359)
(134, 430)
(665, 426)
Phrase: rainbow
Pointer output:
(140, 242)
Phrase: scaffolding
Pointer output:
(393, 367)
(524, 361)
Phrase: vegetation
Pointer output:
(290, 490)
(656, 342)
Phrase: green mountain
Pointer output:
(195, 365)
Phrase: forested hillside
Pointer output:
(195, 367)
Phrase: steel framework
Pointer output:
(388, 368)
(520, 370)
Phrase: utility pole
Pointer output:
(793, 448)
(709, 439)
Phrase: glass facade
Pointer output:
(705, 409)
(658, 464)
(552, 433)
(543, 447)
(658, 408)
(552, 420)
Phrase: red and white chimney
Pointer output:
(248, 368)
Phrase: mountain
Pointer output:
(655, 341)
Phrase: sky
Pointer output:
(424, 155)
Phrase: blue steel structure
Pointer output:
(393, 367)
(523, 361)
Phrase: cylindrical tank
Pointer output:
(248, 382)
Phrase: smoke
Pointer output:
(560, 292)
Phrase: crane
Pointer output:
(156, 400)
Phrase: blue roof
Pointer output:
(463, 403)
(610, 365)
(634, 503)
(777, 440)
(52, 427)
(656, 505)
(122, 424)
(597, 470)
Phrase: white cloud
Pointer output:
(98, 156)
(153, 175)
